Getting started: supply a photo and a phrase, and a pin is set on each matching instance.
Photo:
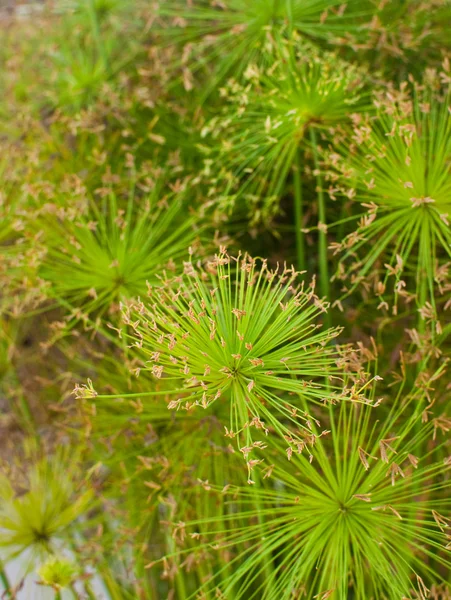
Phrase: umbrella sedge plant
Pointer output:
(235, 330)
(58, 573)
(103, 252)
(48, 512)
(224, 38)
(91, 45)
(397, 165)
(366, 516)
(266, 128)
(42, 506)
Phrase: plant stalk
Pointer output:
(5, 583)
(324, 279)
(298, 215)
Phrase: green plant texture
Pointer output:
(225, 257)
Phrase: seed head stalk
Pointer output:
(322, 233)
(298, 214)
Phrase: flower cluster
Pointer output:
(237, 332)
(397, 165)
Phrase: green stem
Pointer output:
(268, 568)
(422, 294)
(298, 214)
(322, 235)
(179, 578)
(110, 588)
(58, 595)
(343, 220)
(324, 278)
(89, 591)
(5, 582)
(421, 323)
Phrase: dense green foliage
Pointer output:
(225, 293)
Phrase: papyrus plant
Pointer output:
(237, 332)
(366, 515)
(397, 165)
(99, 252)
(226, 37)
